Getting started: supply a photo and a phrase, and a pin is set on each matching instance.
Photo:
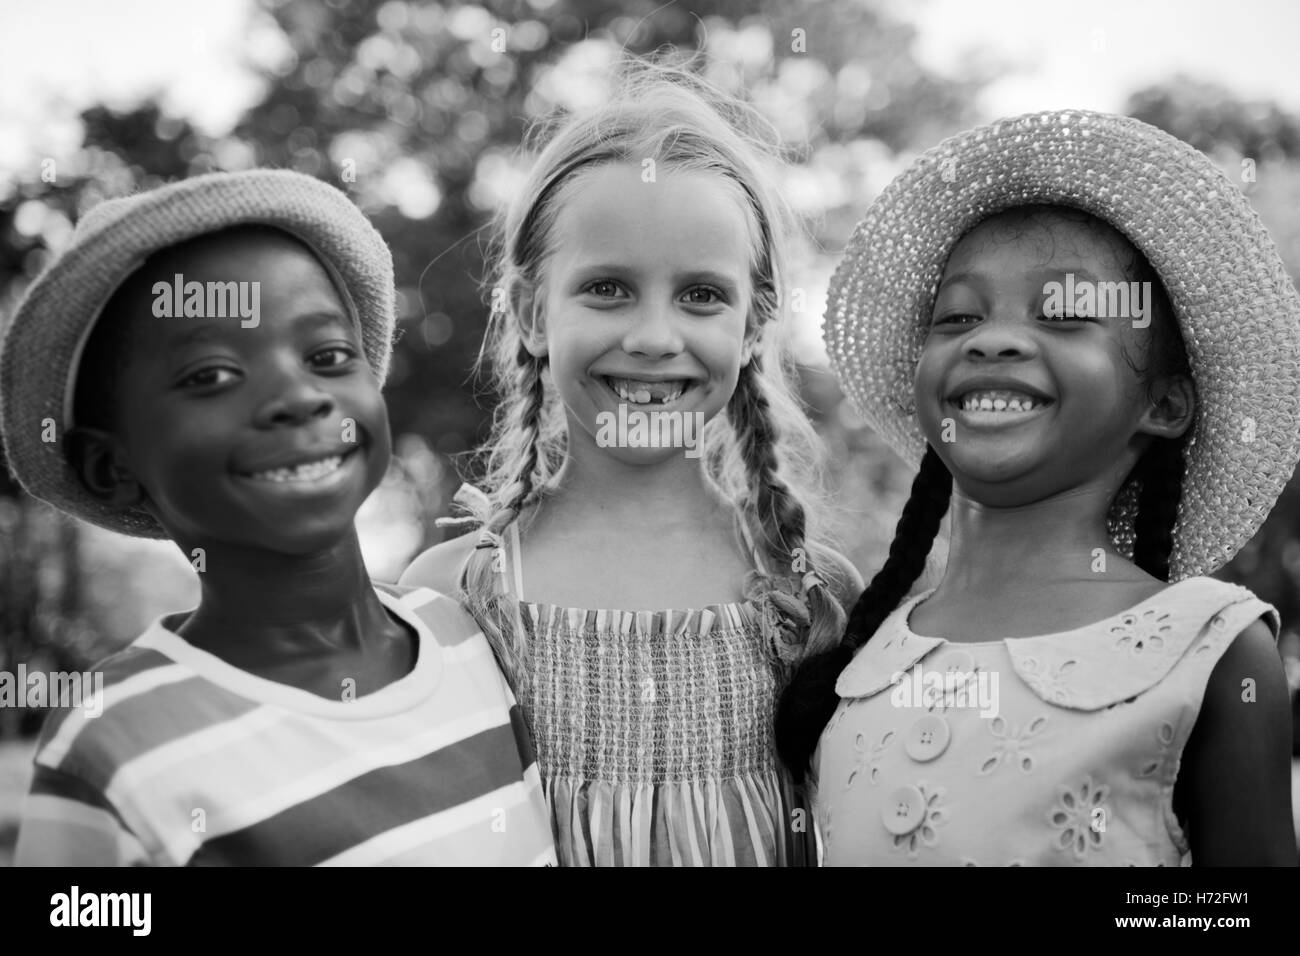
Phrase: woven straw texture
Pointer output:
(1236, 306)
(111, 241)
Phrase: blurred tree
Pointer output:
(1215, 120)
(1234, 131)
(417, 111)
(44, 620)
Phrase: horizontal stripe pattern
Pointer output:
(202, 774)
(376, 802)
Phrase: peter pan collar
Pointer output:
(1090, 667)
(891, 652)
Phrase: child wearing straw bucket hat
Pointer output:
(208, 356)
(1081, 331)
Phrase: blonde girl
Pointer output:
(648, 596)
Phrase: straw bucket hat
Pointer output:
(1237, 308)
(42, 346)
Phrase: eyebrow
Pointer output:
(1047, 275)
(957, 277)
(689, 275)
(708, 275)
(202, 333)
(320, 318)
(213, 329)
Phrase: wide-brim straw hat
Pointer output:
(1236, 306)
(42, 346)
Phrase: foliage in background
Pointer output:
(417, 111)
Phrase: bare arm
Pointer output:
(1234, 784)
(439, 568)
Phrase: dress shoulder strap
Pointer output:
(745, 536)
(514, 559)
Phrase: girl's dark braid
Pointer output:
(810, 700)
(1160, 471)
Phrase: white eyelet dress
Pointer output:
(654, 733)
(1059, 750)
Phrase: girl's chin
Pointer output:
(987, 472)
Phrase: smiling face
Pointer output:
(267, 436)
(1039, 405)
(645, 298)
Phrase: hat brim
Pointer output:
(42, 345)
(1237, 308)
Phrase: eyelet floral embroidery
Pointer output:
(1012, 744)
(1140, 633)
(1050, 683)
(925, 833)
(867, 758)
(840, 712)
(1164, 737)
(1075, 815)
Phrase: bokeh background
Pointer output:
(418, 109)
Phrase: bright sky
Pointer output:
(1091, 54)
(58, 55)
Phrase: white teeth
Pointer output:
(642, 393)
(309, 471)
(1000, 401)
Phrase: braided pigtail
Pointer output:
(810, 700)
(1160, 473)
(496, 612)
(774, 508)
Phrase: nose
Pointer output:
(1000, 338)
(295, 399)
(654, 333)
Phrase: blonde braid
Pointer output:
(497, 612)
(774, 508)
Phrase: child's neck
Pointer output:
(1047, 540)
(672, 493)
(645, 537)
(1034, 569)
(260, 609)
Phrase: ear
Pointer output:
(750, 344)
(1172, 407)
(97, 459)
(531, 316)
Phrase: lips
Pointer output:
(640, 391)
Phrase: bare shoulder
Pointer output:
(439, 567)
(1249, 672)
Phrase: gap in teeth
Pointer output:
(644, 396)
